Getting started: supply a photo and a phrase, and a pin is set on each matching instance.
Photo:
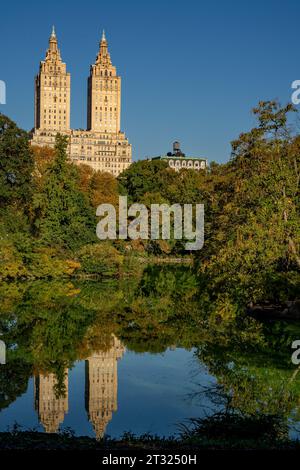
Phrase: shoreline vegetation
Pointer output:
(252, 230)
(48, 326)
(222, 431)
(153, 294)
(33, 440)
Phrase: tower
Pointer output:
(102, 146)
(104, 93)
(52, 91)
(51, 408)
(101, 384)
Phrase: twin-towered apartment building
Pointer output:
(102, 146)
(101, 390)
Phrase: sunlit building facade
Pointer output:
(102, 146)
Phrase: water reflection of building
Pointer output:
(101, 383)
(51, 408)
(2, 352)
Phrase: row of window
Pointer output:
(102, 142)
(106, 88)
(106, 118)
(100, 82)
(106, 165)
(59, 95)
(187, 164)
(59, 111)
(59, 83)
(55, 99)
(89, 148)
(98, 100)
(106, 73)
(54, 123)
(54, 68)
(105, 109)
(106, 124)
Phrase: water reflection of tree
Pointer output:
(254, 382)
(14, 376)
(49, 325)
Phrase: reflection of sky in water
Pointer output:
(154, 395)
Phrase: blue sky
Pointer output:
(191, 70)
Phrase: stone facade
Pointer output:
(190, 163)
(101, 384)
(51, 409)
(177, 160)
(179, 163)
(52, 92)
(102, 146)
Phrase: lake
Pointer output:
(136, 355)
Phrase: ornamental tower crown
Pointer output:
(52, 91)
(104, 93)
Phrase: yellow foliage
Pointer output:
(71, 266)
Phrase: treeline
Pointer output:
(252, 214)
(47, 211)
(251, 253)
(252, 230)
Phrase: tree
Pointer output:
(62, 213)
(252, 242)
(16, 164)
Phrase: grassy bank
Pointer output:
(221, 431)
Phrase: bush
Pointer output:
(101, 258)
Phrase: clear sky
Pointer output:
(191, 70)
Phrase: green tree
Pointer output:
(62, 214)
(16, 164)
(253, 231)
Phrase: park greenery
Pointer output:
(48, 325)
(252, 231)
(64, 294)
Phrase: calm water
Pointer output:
(136, 355)
(151, 393)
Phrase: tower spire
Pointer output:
(53, 34)
(103, 56)
(53, 47)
